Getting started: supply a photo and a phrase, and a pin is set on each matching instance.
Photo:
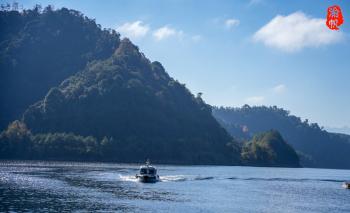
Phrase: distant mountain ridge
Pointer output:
(315, 146)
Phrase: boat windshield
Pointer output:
(150, 171)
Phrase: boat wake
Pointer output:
(177, 178)
(286, 179)
(181, 178)
(173, 178)
(130, 178)
(168, 178)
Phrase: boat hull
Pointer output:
(147, 179)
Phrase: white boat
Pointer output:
(147, 173)
(346, 185)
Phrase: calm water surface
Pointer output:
(51, 186)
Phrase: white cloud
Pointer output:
(133, 30)
(296, 31)
(279, 89)
(230, 23)
(166, 32)
(255, 99)
(138, 29)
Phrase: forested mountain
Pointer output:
(96, 97)
(80, 93)
(269, 149)
(39, 49)
(315, 146)
(133, 100)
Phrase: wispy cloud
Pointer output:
(343, 129)
(296, 31)
(139, 29)
(166, 32)
(196, 38)
(279, 89)
(255, 100)
(133, 29)
(231, 23)
(254, 2)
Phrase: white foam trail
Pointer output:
(168, 178)
(130, 178)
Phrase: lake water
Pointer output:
(65, 186)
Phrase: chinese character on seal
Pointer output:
(334, 17)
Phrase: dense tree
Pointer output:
(269, 149)
(15, 142)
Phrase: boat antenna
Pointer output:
(147, 162)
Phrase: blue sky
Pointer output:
(260, 52)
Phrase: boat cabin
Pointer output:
(148, 170)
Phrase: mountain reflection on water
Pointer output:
(66, 186)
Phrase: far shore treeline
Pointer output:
(70, 90)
